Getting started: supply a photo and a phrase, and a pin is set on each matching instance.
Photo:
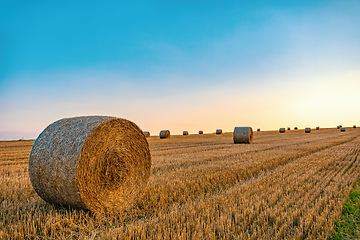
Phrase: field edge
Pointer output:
(348, 226)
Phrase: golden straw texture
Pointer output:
(97, 163)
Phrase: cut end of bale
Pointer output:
(243, 135)
(97, 163)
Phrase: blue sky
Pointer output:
(186, 65)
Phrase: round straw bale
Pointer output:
(288, 128)
(317, 128)
(258, 129)
(243, 135)
(97, 163)
(342, 129)
(201, 132)
(185, 133)
(164, 134)
(307, 130)
(218, 131)
(147, 134)
(338, 127)
(282, 130)
(354, 126)
(295, 128)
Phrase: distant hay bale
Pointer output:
(282, 130)
(307, 130)
(164, 134)
(97, 163)
(218, 131)
(317, 128)
(354, 126)
(338, 127)
(243, 135)
(147, 134)
(258, 129)
(342, 129)
(201, 132)
(288, 128)
(185, 133)
(295, 128)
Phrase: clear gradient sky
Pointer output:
(180, 65)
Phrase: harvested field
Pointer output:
(289, 186)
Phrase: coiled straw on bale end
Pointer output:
(218, 131)
(243, 135)
(307, 130)
(164, 134)
(97, 163)
(185, 133)
(147, 134)
(342, 129)
(201, 132)
(282, 130)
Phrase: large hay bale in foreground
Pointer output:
(97, 163)
(201, 132)
(342, 129)
(164, 134)
(147, 134)
(282, 130)
(307, 130)
(218, 131)
(243, 135)
(185, 133)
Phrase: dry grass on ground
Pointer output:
(290, 186)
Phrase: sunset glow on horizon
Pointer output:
(180, 66)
